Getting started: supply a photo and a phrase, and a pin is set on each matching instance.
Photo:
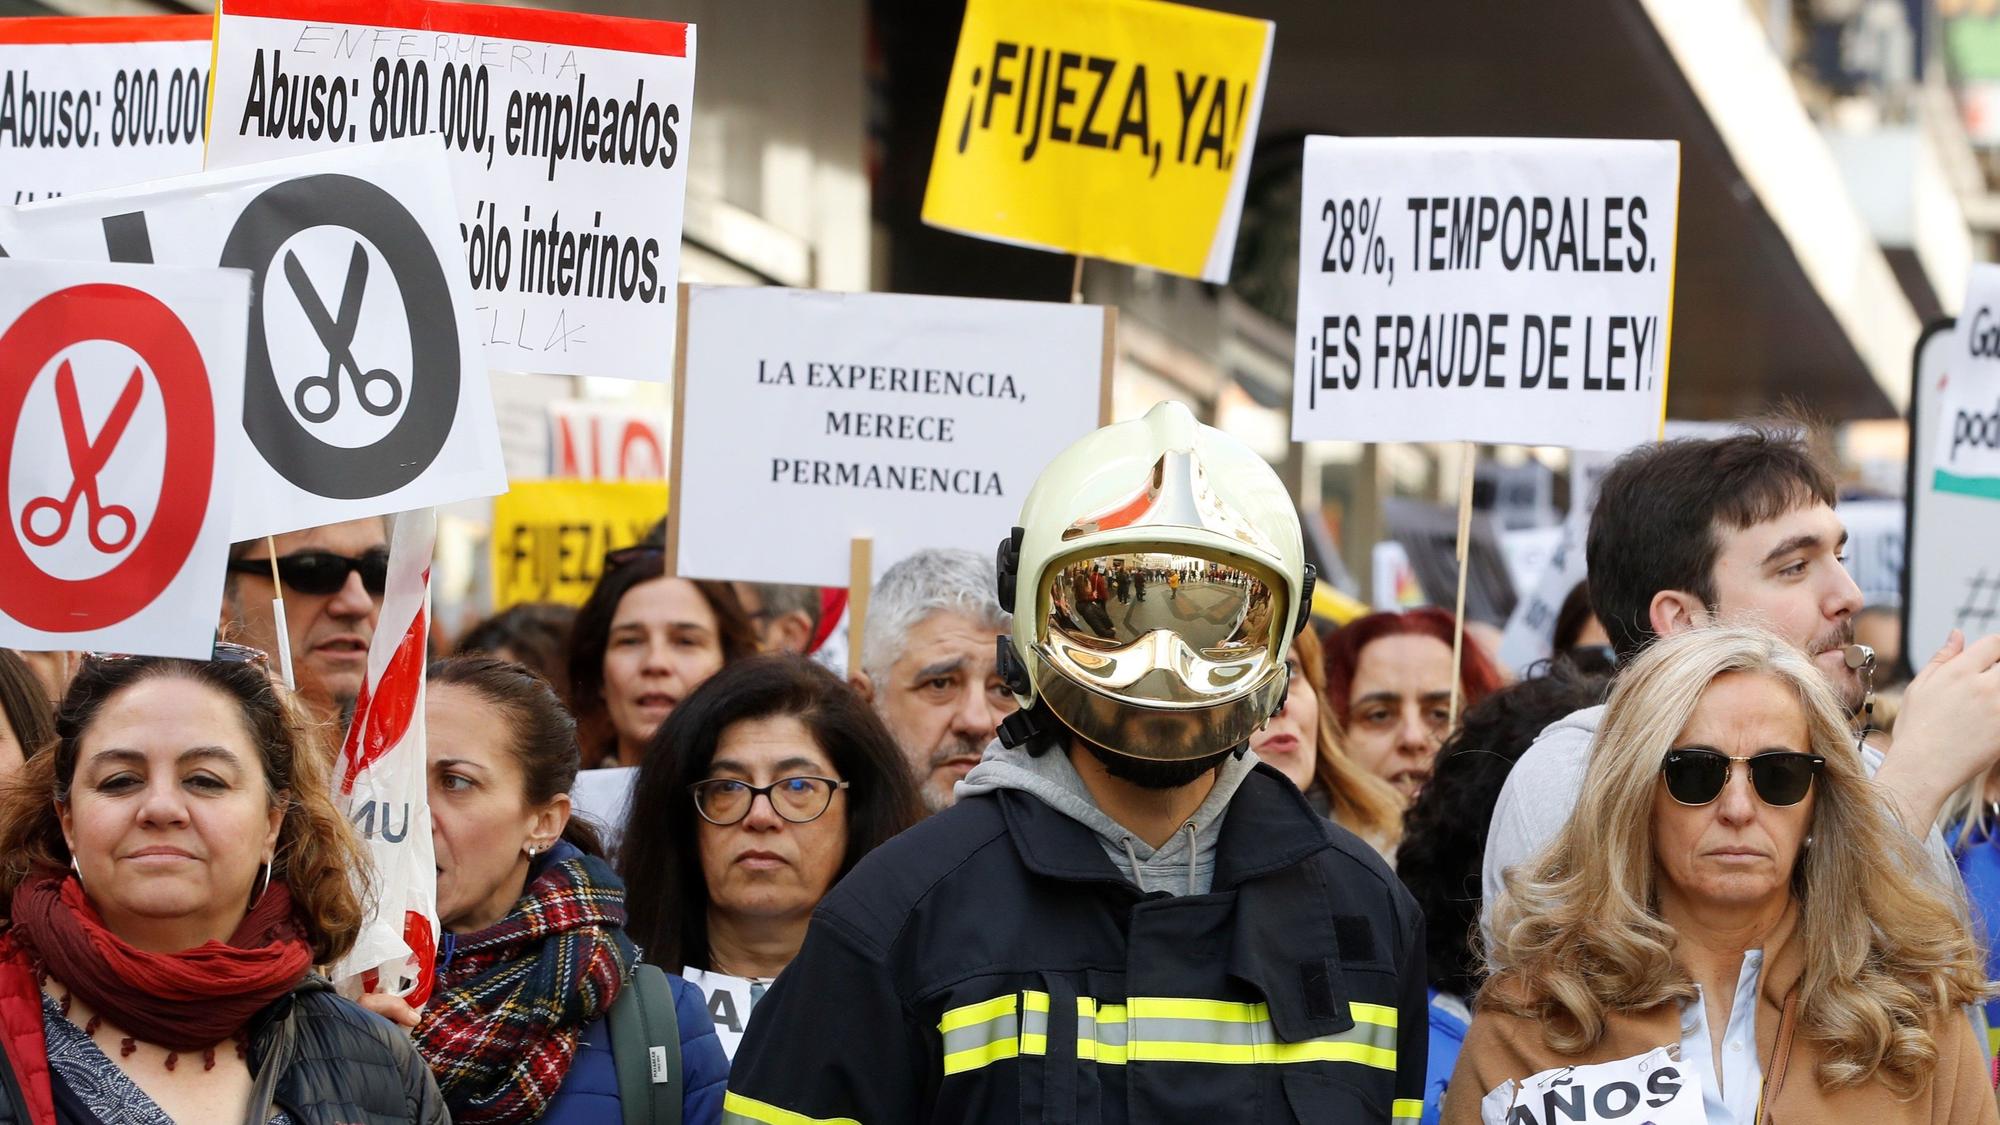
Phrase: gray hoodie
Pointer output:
(1184, 864)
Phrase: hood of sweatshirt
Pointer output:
(1184, 864)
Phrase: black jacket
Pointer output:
(346, 1066)
(992, 964)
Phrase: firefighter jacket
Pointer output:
(993, 965)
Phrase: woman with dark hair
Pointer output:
(1444, 838)
(532, 634)
(1389, 678)
(27, 723)
(643, 642)
(175, 867)
(638, 647)
(790, 779)
(534, 956)
(1579, 636)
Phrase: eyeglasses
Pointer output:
(723, 801)
(322, 572)
(1696, 777)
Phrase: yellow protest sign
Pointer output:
(1117, 129)
(550, 536)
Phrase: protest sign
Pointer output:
(1968, 436)
(550, 536)
(364, 389)
(96, 102)
(119, 386)
(1655, 1088)
(1951, 568)
(1117, 129)
(817, 418)
(384, 775)
(606, 441)
(566, 135)
(1485, 290)
(730, 1002)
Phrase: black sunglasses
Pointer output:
(1696, 777)
(322, 572)
(620, 556)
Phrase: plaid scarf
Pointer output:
(514, 999)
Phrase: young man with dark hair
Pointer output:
(1742, 530)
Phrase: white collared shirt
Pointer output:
(1731, 1097)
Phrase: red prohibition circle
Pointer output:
(138, 320)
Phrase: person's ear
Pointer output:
(863, 686)
(1675, 611)
(280, 801)
(68, 830)
(548, 822)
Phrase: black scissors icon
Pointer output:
(86, 460)
(337, 333)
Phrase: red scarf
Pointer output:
(181, 1001)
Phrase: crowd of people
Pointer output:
(1041, 848)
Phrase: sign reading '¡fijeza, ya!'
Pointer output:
(1117, 129)
(1485, 290)
(1968, 442)
(95, 102)
(808, 419)
(568, 142)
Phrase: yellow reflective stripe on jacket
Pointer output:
(1406, 1109)
(1158, 1029)
(981, 1033)
(739, 1110)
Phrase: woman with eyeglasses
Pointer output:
(1732, 920)
(1388, 676)
(535, 969)
(174, 868)
(765, 787)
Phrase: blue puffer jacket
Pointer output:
(589, 1095)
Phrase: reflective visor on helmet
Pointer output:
(1173, 642)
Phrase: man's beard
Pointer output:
(958, 746)
(1154, 775)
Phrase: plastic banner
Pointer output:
(384, 781)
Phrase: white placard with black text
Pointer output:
(94, 102)
(567, 135)
(119, 390)
(365, 390)
(810, 419)
(1488, 290)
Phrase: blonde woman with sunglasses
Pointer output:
(1731, 918)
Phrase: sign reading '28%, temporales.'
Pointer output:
(1116, 129)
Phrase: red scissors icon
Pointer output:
(86, 459)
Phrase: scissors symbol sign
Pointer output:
(337, 333)
(86, 459)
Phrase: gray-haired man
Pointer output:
(927, 664)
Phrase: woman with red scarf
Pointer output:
(174, 869)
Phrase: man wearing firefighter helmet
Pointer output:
(1124, 918)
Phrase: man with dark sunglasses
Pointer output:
(333, 578)
(1742, 530)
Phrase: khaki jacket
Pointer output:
(1499, 1047)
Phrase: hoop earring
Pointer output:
(264, 886)
(78, 871)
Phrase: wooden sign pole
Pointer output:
(860, 578)
(673, 551)
(1464, 536)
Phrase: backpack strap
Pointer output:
(646, 1049)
